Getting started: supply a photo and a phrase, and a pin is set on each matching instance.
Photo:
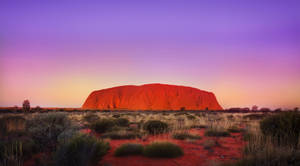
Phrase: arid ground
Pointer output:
(205, 138)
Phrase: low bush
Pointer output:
(81, 150)
(121, 135)
(45, 128)
(184, 135)
(129, 149)
(155, 127)
(216, 133)
(123, 122)
(284, 128)
(162, 150)
(103, 125)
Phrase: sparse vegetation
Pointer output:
(269, 142)
(163, 150)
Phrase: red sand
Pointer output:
(194, 154)
(152, 97)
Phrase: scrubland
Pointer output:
(115, 138)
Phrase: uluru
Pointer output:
(152, 97)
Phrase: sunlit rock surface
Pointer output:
(151, 97)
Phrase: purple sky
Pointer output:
(56, 53)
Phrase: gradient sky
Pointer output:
(56, 53)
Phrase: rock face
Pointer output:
(151, 97)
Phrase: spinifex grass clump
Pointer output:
(121, 135)
(81, 150)
(185, 135)
(284, 128)
(163, 150)
(129, 149)
(103, 125)
(155, 126)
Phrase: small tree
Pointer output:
(254, 108)
(26, 105)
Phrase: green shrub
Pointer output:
(182, 136)
(129, 149)
(121, 135)
(122, 122)
(45, 128)
(103, 125)
(163, 150)
(155, 126)
(284, 128)
(81, 150)
(216, 133)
